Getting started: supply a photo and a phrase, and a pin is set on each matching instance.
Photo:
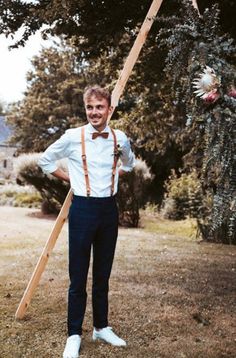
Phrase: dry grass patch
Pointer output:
(170, 296)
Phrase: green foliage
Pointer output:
(97, 25)
(192, 43)
(29, 200)
(16, 195)
(158, 110)
(52, 190)
(52, 102)
(132, 194)
(147, 112)
(183, 196)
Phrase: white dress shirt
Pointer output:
(100, 159)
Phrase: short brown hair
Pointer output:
(97, 91)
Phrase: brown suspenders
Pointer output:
(114, 162)
(84, 161)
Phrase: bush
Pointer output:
(132, 193)
(132, 187)
(15, 195)
(183, 196)
(52, 190)
(29, 200)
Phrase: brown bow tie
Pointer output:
(100, 134)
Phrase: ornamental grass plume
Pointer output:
(141, 166)
(30, 160)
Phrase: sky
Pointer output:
(14, 65)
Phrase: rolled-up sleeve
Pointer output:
(127, 157)
(58, 150)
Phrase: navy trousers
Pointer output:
(93, 222)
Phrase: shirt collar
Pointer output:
(91, 129)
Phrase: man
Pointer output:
(92, 152)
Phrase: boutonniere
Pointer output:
(118, 152)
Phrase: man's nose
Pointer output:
(94, 110)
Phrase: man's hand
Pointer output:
(61, 174)
(122, 172)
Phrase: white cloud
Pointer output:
(15, 64)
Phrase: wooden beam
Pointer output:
(196, 6)
(134, 53)
(118, 90)
(42, 262)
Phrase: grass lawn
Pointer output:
(170, 295)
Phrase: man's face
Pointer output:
(97, 111)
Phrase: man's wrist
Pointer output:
(61, 174)
(122, 172)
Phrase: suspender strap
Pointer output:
(114, 163)
(84, 161)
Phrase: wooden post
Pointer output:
(134, 53)
(33, 283)
(196, 6)
(118, 90)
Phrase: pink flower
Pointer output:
(211, 97)
(232, 92)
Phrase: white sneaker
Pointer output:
(72, 346)
(106, 334)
